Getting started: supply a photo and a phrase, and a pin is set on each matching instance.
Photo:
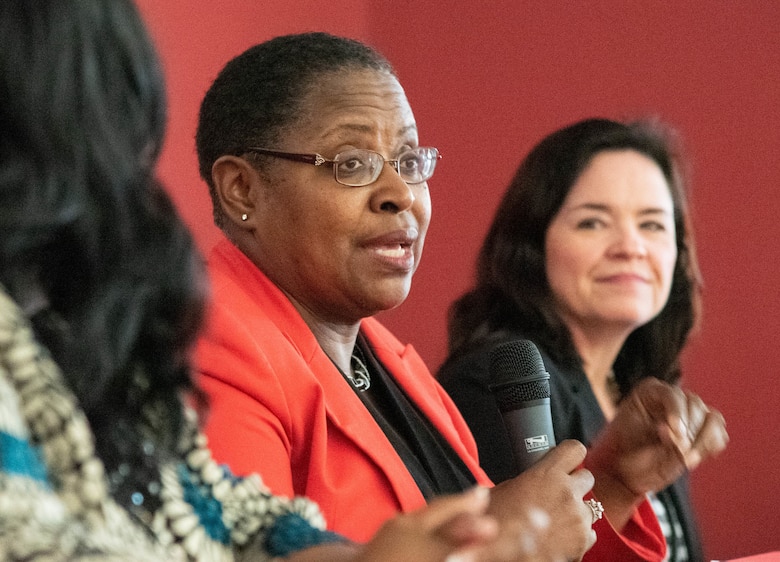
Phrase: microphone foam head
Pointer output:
(518, 375)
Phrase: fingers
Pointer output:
(567, 456)
(697, 412)
(710, 439)
(663, 403)
(518, 540)
(467, 529)
(685, 425)
(702, 432)
(474, 501)
(447, 525)
(587, 523)
(582, 482)
(460, 519)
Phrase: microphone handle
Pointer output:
(530, 431)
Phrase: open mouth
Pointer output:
(396, 251)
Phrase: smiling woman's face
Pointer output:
(343, 253)
(611, 249)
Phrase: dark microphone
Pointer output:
(521, 386)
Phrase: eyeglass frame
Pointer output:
(318, 160)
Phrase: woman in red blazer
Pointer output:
(304, 385)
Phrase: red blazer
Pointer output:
(278, 406)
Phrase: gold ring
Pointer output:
(596, 508)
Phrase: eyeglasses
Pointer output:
(358, 167)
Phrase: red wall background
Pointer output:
(487, 81)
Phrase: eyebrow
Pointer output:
(359, 128)
(605, 209)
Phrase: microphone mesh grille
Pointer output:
(517, 373)
(512, 396)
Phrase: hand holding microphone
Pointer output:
(551, 478)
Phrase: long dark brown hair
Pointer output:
(512, 295)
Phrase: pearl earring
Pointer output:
(244, 217)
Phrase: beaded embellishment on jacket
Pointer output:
(54, 500)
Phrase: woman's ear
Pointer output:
(234, 180)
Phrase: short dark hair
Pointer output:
(259, 92)
(512, 293)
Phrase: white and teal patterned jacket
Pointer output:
(54, 503)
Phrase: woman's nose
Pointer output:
(629, 242)
(391, 193)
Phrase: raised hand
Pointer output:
(658, 433)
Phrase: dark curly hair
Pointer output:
(91, 246)
(259, 92)
(512, 294)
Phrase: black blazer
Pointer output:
(576, 414)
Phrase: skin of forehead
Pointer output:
(340, 105)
